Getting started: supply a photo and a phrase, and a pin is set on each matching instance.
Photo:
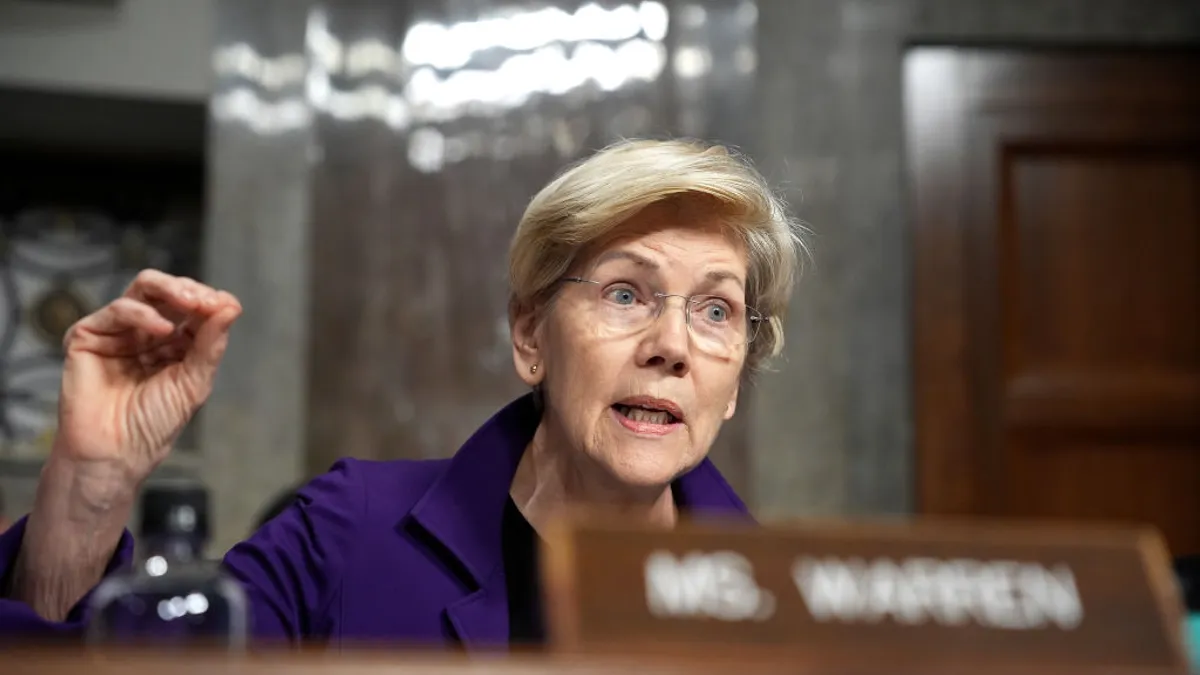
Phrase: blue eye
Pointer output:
(716, 310)
(622, 296)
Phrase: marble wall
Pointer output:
(364, 233)
(257, 246)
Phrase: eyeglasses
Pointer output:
(720, 326)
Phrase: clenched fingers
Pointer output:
(208, 348)
(171, 351)
(119, 317)
(177, 297)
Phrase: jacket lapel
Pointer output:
(464, 511)
(481, 618)
(703, 493)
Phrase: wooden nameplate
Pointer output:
(897, 595)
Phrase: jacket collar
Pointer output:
(464, 511)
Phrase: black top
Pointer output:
(521, 543)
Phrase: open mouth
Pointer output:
(645, 415)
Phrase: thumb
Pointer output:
(208, 348)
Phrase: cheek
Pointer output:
(586, 358)
(721, 389)
(583, 373)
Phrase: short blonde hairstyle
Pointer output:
(588, 201)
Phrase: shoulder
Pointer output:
(372, 489)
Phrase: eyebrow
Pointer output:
(714, 276)
(640, 260)
(717, 276)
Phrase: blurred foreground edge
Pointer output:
(391, 661)
(918, 596)
(924, 598)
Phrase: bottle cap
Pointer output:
(175, 510)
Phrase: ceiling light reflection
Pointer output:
(692, 61)
(547, 71)
(580, 56)
(241, 60)
(447, 47)
(431, 150)
(323, 46)
(429, 97)
(655, 20)
(245, 106)
(366, 56)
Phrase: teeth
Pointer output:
(643, 415)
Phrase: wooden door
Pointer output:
(1056, 272)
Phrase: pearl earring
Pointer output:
(533, 369)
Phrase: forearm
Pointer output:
(78, 516)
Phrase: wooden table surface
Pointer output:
(77, 662)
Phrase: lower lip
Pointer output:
(644, 428)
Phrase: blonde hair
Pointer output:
(591, 199)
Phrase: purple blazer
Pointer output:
(401, 551)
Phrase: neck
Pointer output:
(552, 479)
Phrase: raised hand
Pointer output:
(137, 370)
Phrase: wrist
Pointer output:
(78, 490)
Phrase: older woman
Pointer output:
(645, 283)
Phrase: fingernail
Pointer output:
(187, 294)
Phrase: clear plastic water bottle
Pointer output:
(172, 596)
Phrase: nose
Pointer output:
(666, 344)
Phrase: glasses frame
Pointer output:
(754, 318)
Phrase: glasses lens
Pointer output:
(718, 325)
(619, 309)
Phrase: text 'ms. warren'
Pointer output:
(997, 594)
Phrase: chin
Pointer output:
(644, 470)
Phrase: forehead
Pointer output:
(676, 236)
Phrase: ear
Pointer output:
(523, 325)
(731, 407)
